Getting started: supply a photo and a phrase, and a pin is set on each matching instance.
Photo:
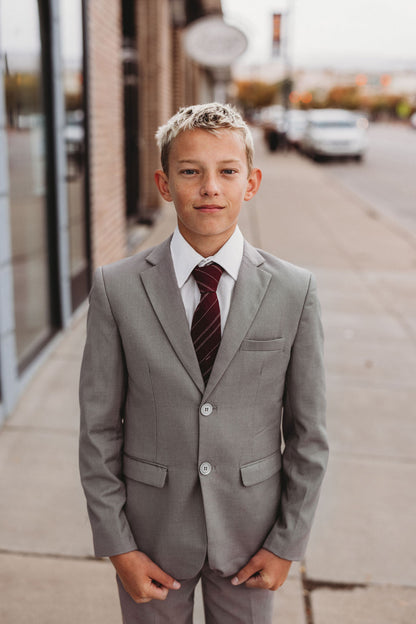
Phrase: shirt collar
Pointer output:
(185, 258)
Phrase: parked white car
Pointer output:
(296, 122)
(335, 132)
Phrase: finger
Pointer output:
(141, 600)
(154, 591)
(161, 579)
(147, 592)
(244, 574)
(256, 581)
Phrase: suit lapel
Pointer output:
(249, 291)
(159, 281)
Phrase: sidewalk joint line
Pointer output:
(307, 602)
(36, 555)
(309, 585)
(39, 429)
(372, 457)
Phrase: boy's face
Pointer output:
(208, 182)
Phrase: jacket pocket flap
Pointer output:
(145, 472)
(260, 470)
(276, 344)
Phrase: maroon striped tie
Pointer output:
(206, 322)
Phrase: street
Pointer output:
(386, 177)
(360, 566)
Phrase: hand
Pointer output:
(264, 570)
(142, 578)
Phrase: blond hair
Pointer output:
(212, 117)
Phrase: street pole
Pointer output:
(287, 55)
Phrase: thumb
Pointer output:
(161, 577)
(245, 573)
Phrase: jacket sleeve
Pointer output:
(102, 395)
(305, 452)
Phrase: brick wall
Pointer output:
(179, 75)
(155, 90)
(185, 74)
(105, 92)
(167, 80)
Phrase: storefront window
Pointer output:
(26, 136)
(73, 81)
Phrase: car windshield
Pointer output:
(334, 124)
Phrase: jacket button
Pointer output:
(205, 468)
(206, 409)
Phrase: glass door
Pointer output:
(27, 152)
(75, 143)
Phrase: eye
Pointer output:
(188, 172)
(229, 171)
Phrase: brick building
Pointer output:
(84, 86)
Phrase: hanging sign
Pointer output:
(212, 43)
(277, 34)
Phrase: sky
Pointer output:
(379, 34)
(23, 34)
(357, 34)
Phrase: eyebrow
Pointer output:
(221, 162)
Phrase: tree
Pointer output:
(255, 93)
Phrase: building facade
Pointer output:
(84, 86)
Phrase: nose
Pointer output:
(209, 186)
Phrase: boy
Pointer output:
(200, 354)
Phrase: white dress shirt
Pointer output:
(185, 259)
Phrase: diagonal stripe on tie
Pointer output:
(208, 333)
(204, 317)
(206, 322)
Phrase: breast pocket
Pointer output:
(275, 344)
(270, 359)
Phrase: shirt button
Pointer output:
(205, 468)
(206, 409)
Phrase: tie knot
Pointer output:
(207, 277)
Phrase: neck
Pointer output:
(207, 245)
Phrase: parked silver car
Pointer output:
(335, 132)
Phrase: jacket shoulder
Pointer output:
(126, 265)
(284, 270)
(133, 265)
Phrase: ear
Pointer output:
(162, 183)
(253, 184)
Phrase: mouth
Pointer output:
(209, 208)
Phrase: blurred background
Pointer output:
(86, 84)
(329, 89)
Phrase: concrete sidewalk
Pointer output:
(361, 562)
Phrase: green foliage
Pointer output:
(23, 93)
(344, 97)
(256, 93)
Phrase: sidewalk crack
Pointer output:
(310, 585)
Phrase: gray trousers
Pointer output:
(223, 603)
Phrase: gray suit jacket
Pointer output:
(144, 433)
